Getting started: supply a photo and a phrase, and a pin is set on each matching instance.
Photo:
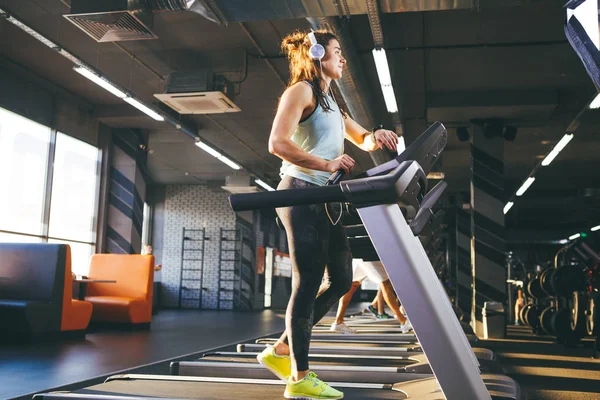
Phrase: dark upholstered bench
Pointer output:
(35, 292)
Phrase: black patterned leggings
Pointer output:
(313, 243)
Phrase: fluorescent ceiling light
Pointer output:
(144, 109)
(98, 80)
(557, 149)
(575, 236)
(208, 149)
(508, 206)
(385, 80)
(594, 229)
(595, 104)
(227, 161)
(104, 83)
(563, 241)
(263, 185)
(217, 155)
(525, 186)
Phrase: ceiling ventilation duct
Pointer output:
(198, 92)
(113, 20)
(120, 20)
(228, 11)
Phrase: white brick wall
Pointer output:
(193, 207)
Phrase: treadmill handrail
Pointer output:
(404, 183)
(426, 214)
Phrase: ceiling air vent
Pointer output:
(197, 92)
(239, 184)
(198, 103)
(112, 20)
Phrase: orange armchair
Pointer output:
(129, 300)
(76, 314)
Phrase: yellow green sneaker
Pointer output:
(310, 387)
(279, 365)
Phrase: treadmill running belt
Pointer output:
(316, 342)
(216, 391)
(349, 361)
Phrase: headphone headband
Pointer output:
(313, 39)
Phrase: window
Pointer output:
(73, 199)
(146, 225)
(80, 255)
(63, 212)
(24, 147)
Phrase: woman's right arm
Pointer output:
(293, 102)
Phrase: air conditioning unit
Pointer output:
(198, 92)
(239, 184)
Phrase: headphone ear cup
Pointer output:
(316, 51)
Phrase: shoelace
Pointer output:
(313, 377)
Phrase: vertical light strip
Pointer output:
(385, 79)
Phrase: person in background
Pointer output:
(147, 251)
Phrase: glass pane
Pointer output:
(12, 238)
(72, 209)
(80, 256)
(23, 162)
(146, 226)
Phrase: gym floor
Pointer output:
(545, 370)
(30, 368)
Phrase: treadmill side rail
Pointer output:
(425, 302)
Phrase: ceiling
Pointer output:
(510, 62)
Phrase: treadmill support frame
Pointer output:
(438, 330)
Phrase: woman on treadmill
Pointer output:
(308, 135)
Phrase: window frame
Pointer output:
(48, 191)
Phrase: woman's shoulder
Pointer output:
(301, 91)
(301, 87)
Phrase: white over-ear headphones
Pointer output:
(316, 51)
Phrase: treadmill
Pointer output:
(376, 196)
(342, 347)
(386, 368)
